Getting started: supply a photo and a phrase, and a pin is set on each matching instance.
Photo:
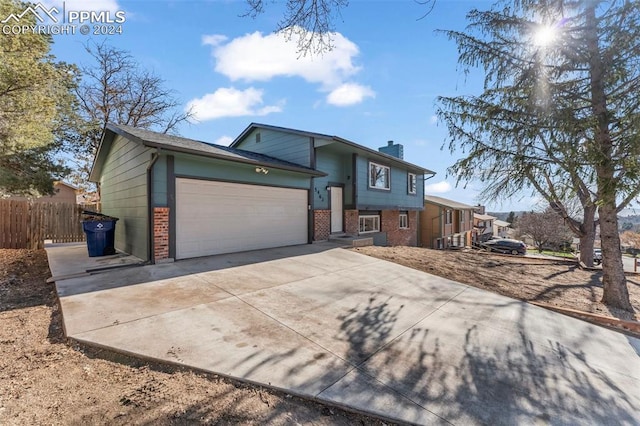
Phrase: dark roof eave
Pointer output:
(252, 126)
(234, 159)
(334, 138)
(387, 157)
(157, 145)
(96, 166)
(451, 206)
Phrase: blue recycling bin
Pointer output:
(100, 236)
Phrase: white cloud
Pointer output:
(433, 119)
(214, 39)
(258, 57)
(224, 140)
(349, 94)
(230, 102)
(437, 188)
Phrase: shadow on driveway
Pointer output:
(365, 334)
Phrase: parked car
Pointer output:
(597, 256)
(633, 251)
(505, 245)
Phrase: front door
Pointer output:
(336, 209)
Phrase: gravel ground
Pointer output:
(554, 282)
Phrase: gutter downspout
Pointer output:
(440, 230)
(154, 157)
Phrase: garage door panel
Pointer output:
(222, 217)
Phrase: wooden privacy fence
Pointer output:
(25, 224)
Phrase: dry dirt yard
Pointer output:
(552, 282)
(45, 381)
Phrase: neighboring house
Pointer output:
(527, 239)
(501, 228)
(483, 224)
(63, 193)
(445, 223)
(88, 198)
(179, 198)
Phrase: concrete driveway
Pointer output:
(326, 323)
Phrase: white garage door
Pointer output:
(221, 217)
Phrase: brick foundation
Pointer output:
(390, 223)
(321, 225)
(351, 224)
(160, 233)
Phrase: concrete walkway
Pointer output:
(337, 326)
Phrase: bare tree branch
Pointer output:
(116, 90)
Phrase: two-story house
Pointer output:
(179, 198)
(445, 223)
(364, 192)
(483, 224)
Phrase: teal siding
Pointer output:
(123, 193)
(285, 146)
(209, 168)
(159, 184)
(338, 168)
(397, 197)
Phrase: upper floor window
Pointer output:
(462, 216)
(412, 183)
(379, 176)
(258, 138)
(448, 217)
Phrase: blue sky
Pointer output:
(379, 83)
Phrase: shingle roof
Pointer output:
(499, 222)
(191, 146)
(447, 203)
(333, 138)
(483, 216)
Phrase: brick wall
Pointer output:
(160, 233)
(321, 225)
(390, 223)
(351, 223)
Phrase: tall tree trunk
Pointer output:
(616, 293)
(614, 281)
(587, 235)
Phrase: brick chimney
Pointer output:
(395, 150)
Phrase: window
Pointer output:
(379, 176)
(462, 215)
(369, 223)
(448, 217)
(411, 183)
(258, 137)
(404, 220)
